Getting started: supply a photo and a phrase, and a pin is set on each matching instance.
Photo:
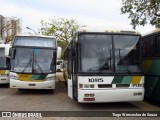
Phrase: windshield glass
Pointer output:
(43, 61)
(31, 60)
(95, 51)
(3, 59)
(22, 61)
(34, 41)
(126, 53)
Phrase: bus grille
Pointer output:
(105, 85)
(122, 85)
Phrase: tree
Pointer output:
(9, 27)
(62, 28)
(142, 12)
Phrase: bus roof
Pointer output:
(108, 30)
(5, 45)
(31, 35)
(32, 41)
(152, 32)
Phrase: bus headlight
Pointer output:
(137, 85)
(14, 77)
(50, 78)
(89, 95)
(3, 75)
(86, 86)
(91, 86)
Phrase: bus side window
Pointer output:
(148, 46)
(157, 46)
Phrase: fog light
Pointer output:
(91, 95)
(86, 95)
(91, 86)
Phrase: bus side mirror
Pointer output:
(7, 50)
(55, 55)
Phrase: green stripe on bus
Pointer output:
(155, 67)
(38, 77)
(117, 79)
(127, 80)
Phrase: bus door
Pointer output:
(74, 77)
(69, 69)
(74, 70)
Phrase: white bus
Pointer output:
(4, 63)
(59, 67)
(33, 62)
(104, 66)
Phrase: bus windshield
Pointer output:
(33, 60)
(126, 54)
(3, 59)
(95, 50)
(96, 53)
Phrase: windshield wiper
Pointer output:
(29, 62)
(104, 66)
(124, 62)
(39, 66)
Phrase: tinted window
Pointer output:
(148, 46)
(157, 46)
(126, 55)
(95, 52)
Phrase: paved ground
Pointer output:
(40, 100)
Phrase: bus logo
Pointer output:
(95, 79)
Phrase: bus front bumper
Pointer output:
(4, 80)
(32, 85)
(110, 95)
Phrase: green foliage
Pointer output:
(62, 28)
(142, 12)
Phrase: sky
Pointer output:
(103, 13)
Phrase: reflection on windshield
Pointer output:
(28, 60)
(43, 61)
(97, 52)
(96, 49)
(34, 41)
(22, 61)
(126, 55)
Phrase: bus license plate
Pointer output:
(32, 84)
